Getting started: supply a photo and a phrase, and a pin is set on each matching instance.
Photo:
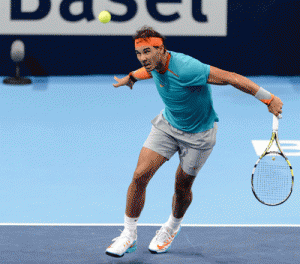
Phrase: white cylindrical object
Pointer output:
(17, 51)
(275, 123)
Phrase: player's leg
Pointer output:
(182, 199)
(193, 155)
(157, 149)
(183, 195)
(191, 162)
(148, 163)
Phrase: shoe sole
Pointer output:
(129, 250)
(159, 252)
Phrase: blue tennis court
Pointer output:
(69, 147)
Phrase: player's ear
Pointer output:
(161, 49)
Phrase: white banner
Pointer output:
(294, 145)
(80, 17)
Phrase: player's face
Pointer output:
(149, 57)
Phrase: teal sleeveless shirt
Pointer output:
(186, 94)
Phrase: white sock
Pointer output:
(130, 223)
(173, 222)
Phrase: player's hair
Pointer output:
(146, 32)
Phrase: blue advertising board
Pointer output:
(65, 37)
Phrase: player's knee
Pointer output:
(141, 179)
(184, 182)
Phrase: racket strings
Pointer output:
(272, 179)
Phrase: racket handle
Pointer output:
(275, 122)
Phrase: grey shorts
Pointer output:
(193, 148)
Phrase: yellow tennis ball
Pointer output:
(273, 158)
(104, 17)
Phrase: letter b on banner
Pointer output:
(40, 13)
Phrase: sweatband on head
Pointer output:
(151, 41)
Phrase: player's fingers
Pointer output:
(116, 85)
(120, 83)
(273, 111)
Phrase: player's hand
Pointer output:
(275, 106)
(124, 81)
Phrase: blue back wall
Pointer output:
(262, 39)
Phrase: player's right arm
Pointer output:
(131, 78)
(221, 77)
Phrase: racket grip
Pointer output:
(275, 123)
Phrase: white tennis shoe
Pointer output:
(163, 239)
(125, 243)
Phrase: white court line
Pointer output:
(191, 225)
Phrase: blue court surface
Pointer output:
(69, 148)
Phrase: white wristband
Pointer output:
(262, 94)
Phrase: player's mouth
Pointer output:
(147, 65)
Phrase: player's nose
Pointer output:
(143, 57)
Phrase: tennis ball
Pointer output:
(273, 158)
(104, 17)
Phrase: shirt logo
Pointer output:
(161, 85)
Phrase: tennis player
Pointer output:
(187, 124)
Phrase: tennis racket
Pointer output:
(272, 176)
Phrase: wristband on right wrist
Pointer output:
(131, 77)
(264, 96)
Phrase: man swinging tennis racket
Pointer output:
(187, 124)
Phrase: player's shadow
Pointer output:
(194, 252)
(129, 261)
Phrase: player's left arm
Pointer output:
(221, 77)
